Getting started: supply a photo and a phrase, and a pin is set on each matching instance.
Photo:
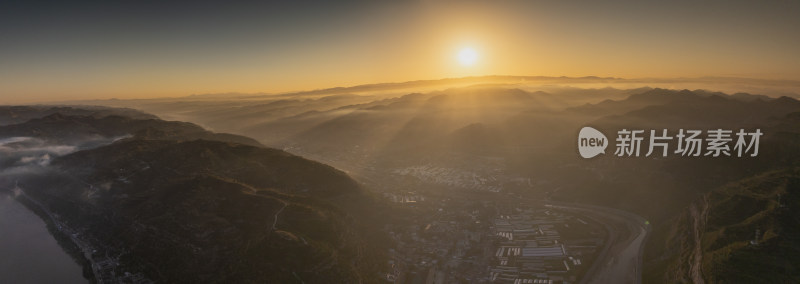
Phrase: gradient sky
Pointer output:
(83, 49)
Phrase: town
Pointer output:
(488, 241)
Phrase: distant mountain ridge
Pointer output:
(19, 114)
(71, 128)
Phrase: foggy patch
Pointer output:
(27, 155)
(28, 147)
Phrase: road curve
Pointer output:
(620, 260)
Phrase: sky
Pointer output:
(142, 49)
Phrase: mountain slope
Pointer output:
(745, 232)
(176, 208)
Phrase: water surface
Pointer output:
(28, 253)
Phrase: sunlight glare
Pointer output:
(467, 56)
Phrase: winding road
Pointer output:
(275, 222)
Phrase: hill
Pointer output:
(75, 129)
(19, 114)
(743, 232)
(179, 204)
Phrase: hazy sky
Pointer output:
(84, 49)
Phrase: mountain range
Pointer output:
(174, 190)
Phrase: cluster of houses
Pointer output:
(532, 249)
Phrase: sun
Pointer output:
(467, 56)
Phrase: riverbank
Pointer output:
(58, 232)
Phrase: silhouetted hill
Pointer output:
(476, 138)
(660, 97)
(71, 129)
(19, 114)
(671, 109)
(256, 166)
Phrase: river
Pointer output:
(28, 252)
